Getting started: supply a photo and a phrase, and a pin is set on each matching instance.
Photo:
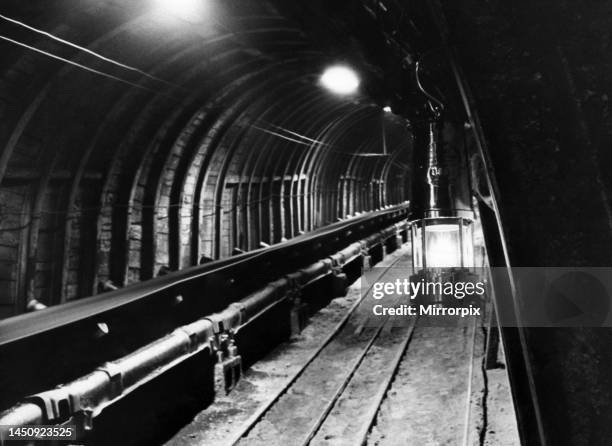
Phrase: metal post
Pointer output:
(423, 245)
(461, 240)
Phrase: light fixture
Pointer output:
(442, 215)
(188, 10)
(442, 243)
(340, 79)
(387, 109)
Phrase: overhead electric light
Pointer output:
(189, 10)
(387, 109)
(340, 79)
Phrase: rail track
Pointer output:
(338, 397)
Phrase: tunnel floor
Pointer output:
(408, 385)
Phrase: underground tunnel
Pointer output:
(382, 222)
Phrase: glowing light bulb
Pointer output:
(340, 79)
(442, 246)
(189, 10)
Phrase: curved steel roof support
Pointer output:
(155, 253)
(320, 122)
(82, 205)
(256, 137)
(277, 171)
(68, 239)
(161, 158)
(197, 168)
(260, 166)
(291, 189)
(291, 146)
(175, 185)
(183, 215)
(108, 135)
(321, 186)
(207, 179)
(233, 150)
(63, 275)
(25, 122)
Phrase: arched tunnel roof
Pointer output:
(135, 135)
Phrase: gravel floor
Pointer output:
(296, 414)
(425, 405)
(224, 418)
(501, 426)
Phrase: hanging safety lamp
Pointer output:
(442, 215)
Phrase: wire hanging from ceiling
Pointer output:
(306, 141)
(76, 64)
(85, 50)
(432, 99)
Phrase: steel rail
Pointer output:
(354, 368)
(380, 396)
(468, 404)
(347, 380)
(377, 399)
(342, 387)
(261, 412)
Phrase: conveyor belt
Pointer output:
(27, 325)
(99, 377)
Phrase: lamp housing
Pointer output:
(442, 214)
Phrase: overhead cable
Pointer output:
(86, 50)
(76, 64)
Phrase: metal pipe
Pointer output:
(440, 183)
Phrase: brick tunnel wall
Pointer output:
(208, 137)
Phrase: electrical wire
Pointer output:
(311, 141)
(86, 50)
(304, 140)
(113, 77)
(280, 135)
(314, 141)
(76, 64)
(432, 98)
(75, 212)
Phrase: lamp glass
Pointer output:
(447, 245)
(340, 79)
(188, 10)
(442, 246)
